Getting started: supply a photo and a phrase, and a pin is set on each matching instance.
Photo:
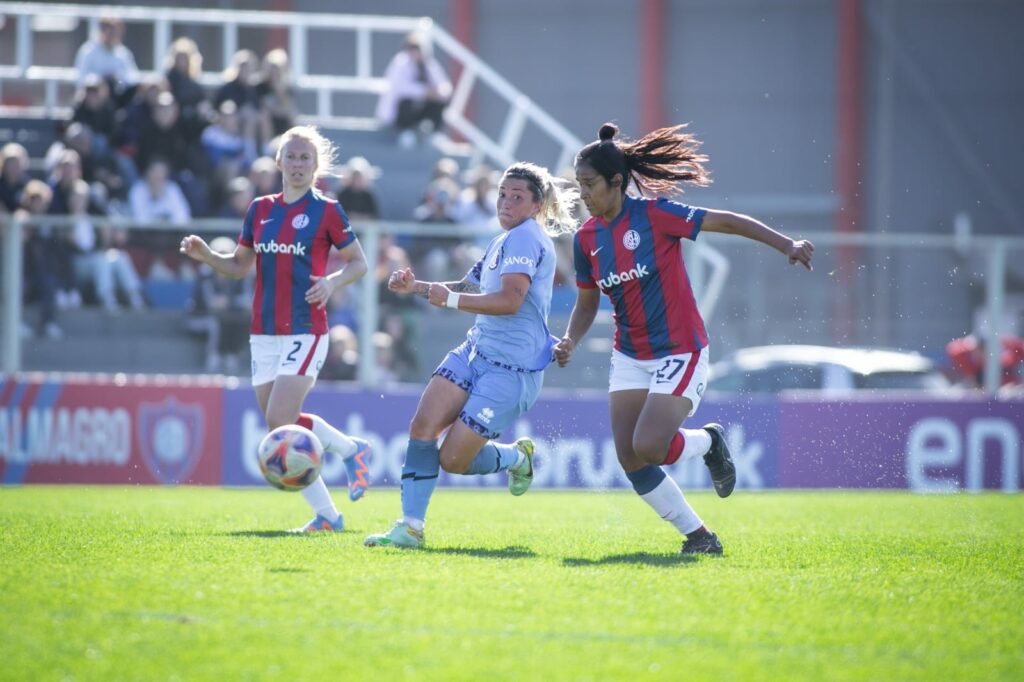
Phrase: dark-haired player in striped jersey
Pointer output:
(289, 237)
(631, 250)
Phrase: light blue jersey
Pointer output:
(521, 340)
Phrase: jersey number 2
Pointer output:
(298, 347)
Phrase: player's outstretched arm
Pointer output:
(582, 317)
(797, 251)
(506, 301)
(405, 282)
(235, 264)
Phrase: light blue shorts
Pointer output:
(498, 394)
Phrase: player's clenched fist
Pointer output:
(194, 247)
(437, 294)
(800, 252)
(402, 281)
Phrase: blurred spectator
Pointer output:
(66, 173)
(221, 309)
(240, 87)
(477, 208)
(106, 57)
(184, 65)
(46, 258)
(399, 315)
(438, 202)
(276, 96)
(174, 141)
(156, 197)
(446, 168)
(417, 93)
(239, 81)
(342, 362)
(434, 255)
(383, 352)
(100, 261)
(95, 108)
(110, 169)
(169, 138)
(967, 356)
(477, 205)
(13, 175)
(266, 179)
(223, 143)
(355, 192)
(341, 306)
(239, 196)
(137, 116)
(228, 153)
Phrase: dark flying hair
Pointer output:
(656, 163)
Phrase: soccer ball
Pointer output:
(290, 457)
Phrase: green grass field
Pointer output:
(105, 583)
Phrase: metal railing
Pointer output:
(12, 231)
(473, 71)
(722, 253)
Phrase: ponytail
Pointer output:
(656, 163)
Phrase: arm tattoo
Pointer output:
(464, 287)
(422, 289)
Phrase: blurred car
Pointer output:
(772, 369)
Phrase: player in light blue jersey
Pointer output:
(495, 375)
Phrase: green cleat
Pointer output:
(520, 477)
(401, 535)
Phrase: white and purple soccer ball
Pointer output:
(290, 457)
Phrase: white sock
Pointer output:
(667, 499)
(333, 440)
(319, 499)
(415, 524)
(697, 443)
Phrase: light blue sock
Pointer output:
(419, 477)
(492, 458)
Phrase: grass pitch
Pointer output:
(101, 583)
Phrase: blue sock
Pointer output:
(492, 458)
(419, 477)
(647, 479)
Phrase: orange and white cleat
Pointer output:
(357, 470)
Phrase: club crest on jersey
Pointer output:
(495, 258)
(300, 221)
(631, 240)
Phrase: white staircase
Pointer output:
(358, 31)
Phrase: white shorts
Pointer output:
(296, 354)
(683, 375)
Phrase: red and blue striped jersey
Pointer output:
(292, 242)
(637, 260)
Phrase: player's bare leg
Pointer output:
(281, 401)
(657, 441)
(467, 452)
(649, 480)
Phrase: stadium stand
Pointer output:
(153, 123)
